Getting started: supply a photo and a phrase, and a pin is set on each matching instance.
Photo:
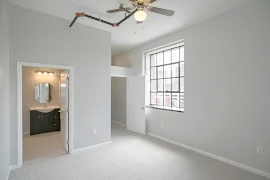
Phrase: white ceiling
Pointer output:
(130, 34)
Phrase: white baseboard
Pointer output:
(8, 173)
(90, 147)
(13, 167)
(121, 124)
(225, 160)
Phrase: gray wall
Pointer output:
(4, 90)
(119, 99)
(41, 38)
(227, 70)
(30, 80)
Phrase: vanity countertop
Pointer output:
(44, 109)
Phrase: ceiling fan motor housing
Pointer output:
(140, 7)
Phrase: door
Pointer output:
(136, 104)
(64, 112)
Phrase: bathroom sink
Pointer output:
(44, 109)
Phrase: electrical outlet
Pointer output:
(259, 149)
(162, 125)
(94, 131)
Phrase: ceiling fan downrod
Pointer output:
(82, 14)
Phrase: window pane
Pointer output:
(167, 57)
(153, 98)
(160, 99)
(182, 53)
(160, 58)
(153, 73)
(167, 85)
(167, 71)
(182, 84)
(182, 104)
(175, 84)
(153, 85)
(175, 100)
(153, 60)
(167, 99)
(181, 96)
(175, 55)
(160, 72)
(175, 70)
(160, 85)
(182, 69)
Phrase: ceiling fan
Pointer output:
(139, 14)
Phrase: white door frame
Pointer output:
(19, 94)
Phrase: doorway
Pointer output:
(128, 104)
(45, 111)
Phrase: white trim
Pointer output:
(19, 102)
(222, 159)
(89, 147)
(121, 124)
(8, 173)
(13, 167)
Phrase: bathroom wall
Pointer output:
(30, 80)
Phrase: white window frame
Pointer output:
(147, 74)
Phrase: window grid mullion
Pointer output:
(167, 64)
(163, 78)
(156, 82)
(179, 76)
(150, 79)
(171, 79)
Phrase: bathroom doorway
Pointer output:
(44, 111)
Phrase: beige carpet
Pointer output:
(132, 157)
(42, 146)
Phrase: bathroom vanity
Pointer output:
(43, 120)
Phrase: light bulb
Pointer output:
(45, 73)
(140, 15)
(39, 73)
(51, 74)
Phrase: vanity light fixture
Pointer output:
(45, 73)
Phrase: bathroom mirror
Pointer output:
(43, 92)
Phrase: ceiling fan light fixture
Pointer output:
(140, 15)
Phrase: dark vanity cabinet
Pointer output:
(44, 122)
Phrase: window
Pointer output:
(167, 79)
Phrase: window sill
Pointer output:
(166, 109)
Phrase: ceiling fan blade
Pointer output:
(119, 10)
(150, 1)
(162, 11)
